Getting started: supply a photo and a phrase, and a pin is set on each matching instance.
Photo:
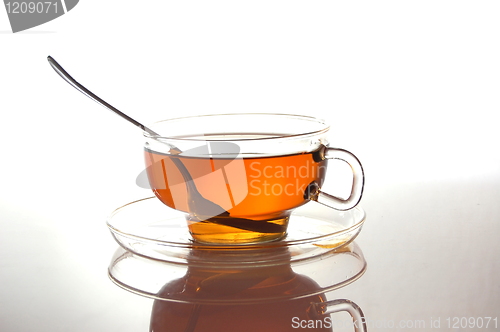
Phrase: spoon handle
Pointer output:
(67, 77)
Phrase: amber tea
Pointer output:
(258, 193)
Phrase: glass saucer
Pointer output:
(150, 229)
(239, 284)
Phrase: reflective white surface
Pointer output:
(411, 89)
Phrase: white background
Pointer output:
(411, 87)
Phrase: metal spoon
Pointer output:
(199, 207)
(197, 202)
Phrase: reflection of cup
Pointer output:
(239, 176)
(235, 296)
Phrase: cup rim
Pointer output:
(324, 129)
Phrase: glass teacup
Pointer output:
(238, 177)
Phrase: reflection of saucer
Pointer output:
(244, 283)
(149, 228)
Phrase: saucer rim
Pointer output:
(199, 245)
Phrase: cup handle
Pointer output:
(315, 194)
(330, 307)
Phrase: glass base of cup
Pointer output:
(237, 231)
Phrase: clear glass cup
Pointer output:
(238, 177)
